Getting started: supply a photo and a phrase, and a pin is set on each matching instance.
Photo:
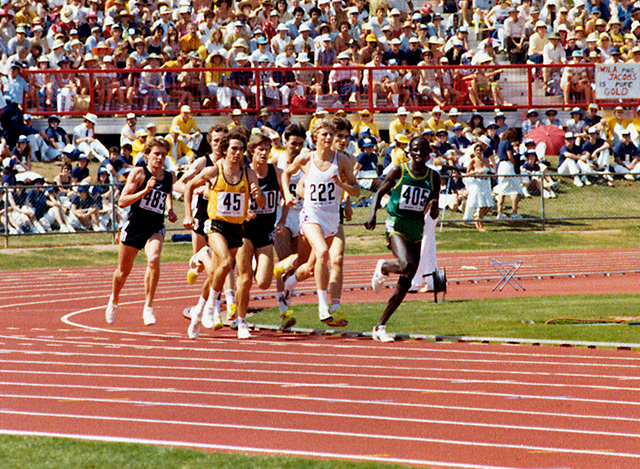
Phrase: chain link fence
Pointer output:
(41, 210)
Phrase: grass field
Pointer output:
(18, 452)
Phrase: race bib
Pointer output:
(269, 206)
(154, 201)
(413, 198)
(231, 204)
(322, 194)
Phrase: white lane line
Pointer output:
(280, 363)
(635, 360)
(311, 413)
(251, 449)
(280, 430)
(333, 386)
(269, 371)
(304, 398)
(278, 350)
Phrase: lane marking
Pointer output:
(338, 415)
(309, 398)
(335, 375)
(408, 439)
(350, 386)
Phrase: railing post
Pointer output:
(92, 94)
(370, 90)
(258, 90)
(529, 87)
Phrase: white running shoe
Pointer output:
(217, 321)
(285, 265)
(243, 330)
(207, 318)
(577, 181)
(187, 313)
(194, 327)
(378, 277)
(380, 333)
(110, 313)
(148, 317)
(234, 324)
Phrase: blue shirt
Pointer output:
(626, 153)
(575, 149)
(14, 90)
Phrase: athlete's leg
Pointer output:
(264, 268)
(406, 264)
(336, 254)
(244, 258)
(320, 249)
(152, 249)
(126, 256)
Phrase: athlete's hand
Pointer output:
(280, 227)
(336, 180)
(189, 222)
(348, 211)
(370, 224)
(434, 210)
(290, 200)
(250, 215)
(171, 215)
(151, 183)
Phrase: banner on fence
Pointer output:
(618, 81)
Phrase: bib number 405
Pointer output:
(414, 198)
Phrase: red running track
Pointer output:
(413, 402)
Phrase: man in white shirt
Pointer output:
(129, 129)
(85, 141)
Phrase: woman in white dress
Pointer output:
(480, 201)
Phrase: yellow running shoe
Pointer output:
(284, 266)
(192, 276)
(231, 312)
(336, 319)
(287, 321)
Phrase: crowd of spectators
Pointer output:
(117, 35)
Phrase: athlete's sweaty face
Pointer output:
(261, 153)
(294, 145)
(235, 151)
(155, 158)
(324, 138)
(215, 143)
(341, 140)
(418, 151)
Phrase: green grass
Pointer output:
(504, 318)
(48, 453)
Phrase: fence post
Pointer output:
(258, 89)
(114, 227)
(542, 214)
(5, 196)
(370, 90)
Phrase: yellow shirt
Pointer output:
(372, 126)
(179, 149)
(398, 156)
(229, 202)
(435, 126)
(611, 125)
(137, 147)
(185, 127)
(448, 124)
(189, 43)
(396, 127)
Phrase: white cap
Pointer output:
(131, 115)
(402, 111)
(91, 118)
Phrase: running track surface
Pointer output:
(439, 404)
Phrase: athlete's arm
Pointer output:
(171, 215)
(129, 196)
(433, 207)
(392, 178)
(296, 165)
(191, 172)
(254, 187)
(208, 174)
(346, 180)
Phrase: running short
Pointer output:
(410, 229)
(200, 216)
(327, 230)
(137, 237)
(232, 232)
(259, 238)
(293, 222)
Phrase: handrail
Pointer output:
(517, 81)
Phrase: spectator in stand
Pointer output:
(530, 123)
(551, 118)
(129, 129)
(366, 166)
(180, 155)
(14, 86)
(22, 152)
(85, 141)
(80, 172)
(569, 159)
(189, 130)
(576, 125)
(124, 163)
(46, 213)
(365, 123)
(537, 43)
(615, 125)
(400, 126)
(516, 43)
(435, 122)
(598, 153)
(626, 156)
(84, 210)
(593, 118)
(344, 83)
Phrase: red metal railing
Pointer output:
(516, 84)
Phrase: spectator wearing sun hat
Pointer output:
(400, 125)
(129, 129)
(189, 130)
(366, 124)
(85, 140)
